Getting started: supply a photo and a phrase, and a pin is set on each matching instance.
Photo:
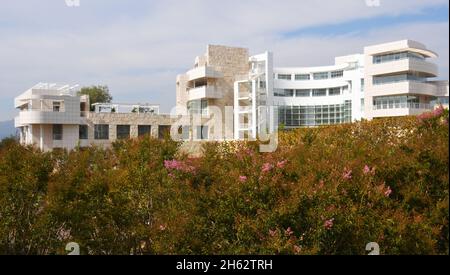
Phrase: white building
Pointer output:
(386, 80)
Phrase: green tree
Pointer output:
(97, 94)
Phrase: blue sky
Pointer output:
(137, 47)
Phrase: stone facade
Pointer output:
(229, 64)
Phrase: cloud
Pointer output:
(138, 47)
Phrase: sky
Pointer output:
(137, 47)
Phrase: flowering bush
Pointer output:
(325, 190)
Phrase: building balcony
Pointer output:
(404, 65)
(400, 109)
(405, 87)
(46, 117)
(203, 72)
(204, 92)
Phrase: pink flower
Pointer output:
(366, 170)
(297, 249)
(179, 166)
(347, 175)
(438, 111)
(266, 167)
(281, 164)
(242, 178)
(162, 227)
(289, 231)
(328, 224)
(388, 192)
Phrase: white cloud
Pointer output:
(137, 47)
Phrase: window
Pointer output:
(319, 92)
(382, 58)
(57, 132)
(362, 105)
(300, 77)
(56, 106)
(318, 76)
(184, 131)
(334, 91)
(101, 131)
(396, 102)
(380, 80)
(202, 132)
(284, 92)
(303, 93)
(285, 76)
(337, 74)
(144, 130)
(362, 85)
(123, 131)
(163, 131)
(83, 132)
(198, 107)
(301, 116)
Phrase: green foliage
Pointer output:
(97, 94)
(325, 191)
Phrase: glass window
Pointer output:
(101, 131)
(202, 132)
(123, 131)
(198, 107)
(83, 132)
(382, 58)
(56, 106)
(337, 74)
(318, 76)
(284, 92)
(334, 91)
(57, 132)
(285, 76)
(300, 77)
(303, 93)
(144, 130)
(319, 92)
(163, 131)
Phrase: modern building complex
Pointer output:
(230, 95)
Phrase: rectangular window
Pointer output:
(57, 132)
(123, 131)
(284, 92)
(101, 131)
(198, 107)
(363, 85)
(56, 106)
(144, 130)
(319, 92)
(303, 93)
(285, 76)
(377, 59)
(163, 131)
(337, 74)
(184, 132)
(202, 132)
(334, 91)
(318, 76)
(302, 77)
(83, 132)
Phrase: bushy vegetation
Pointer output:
(325, 191)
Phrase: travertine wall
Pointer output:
(232, 63)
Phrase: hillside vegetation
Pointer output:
(326, 190)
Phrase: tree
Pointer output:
(97, 94)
